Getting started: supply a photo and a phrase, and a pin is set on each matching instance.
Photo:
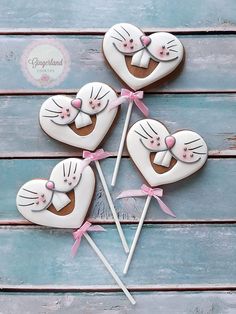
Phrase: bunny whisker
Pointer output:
(125, 30)
(173, 50)
(53, 111)
(91, 95)
(30, 191)
(119, 34)
(104, 95)
(28, 198)
(98, 92)
(195, 147)
(64, 172)
(199, 153)
(75, 168)
(69, 170)
(192, 141)
(116, 38)
(146, 131)
(26, 204)
(171, 46)
(151, 128)
(170, 41)
(141, 134)
(56, 103)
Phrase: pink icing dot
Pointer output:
(170, 141)
(145, 40)
(50, 185)
(76, 103)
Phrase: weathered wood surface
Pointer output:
(212, 115)
(84, 14)
(166, 255)
(208, 195)
(155, 302)
(210, 64)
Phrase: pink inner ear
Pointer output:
(76, 103)
(145, 40)
(170, 141)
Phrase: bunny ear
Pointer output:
(59, 109)
(33, 196)
(66, 175)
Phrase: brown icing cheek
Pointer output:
(140, 72)
(85, 130)
(160, 169)
(68, 209)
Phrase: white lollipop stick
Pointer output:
(122, 142)
(112, 207)
(137, 233)
(109, 268)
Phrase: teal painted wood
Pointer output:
(151, 302)
(213, 116)
(207, 195)
(210, 64)
(84, 14)
(166, 255)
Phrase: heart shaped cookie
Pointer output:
(63, 200)
(141, 60)
(82, 122)
(162, 157)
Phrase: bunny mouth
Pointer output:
(68, 209)
(140, 72)
(159, 168)
(86, 130)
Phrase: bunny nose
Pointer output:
(76, 103)
(170, 141)
(145, 40)
(50, 185)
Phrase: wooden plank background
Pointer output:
(181, 266)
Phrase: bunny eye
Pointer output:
(74, 177)
(90, 102)
(65, 180)
(131, 40)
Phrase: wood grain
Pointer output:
(164, 257)
(210, 64)
(151, 13)
(167, 302)
(213, 116)
(206, 196)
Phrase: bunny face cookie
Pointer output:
(162, 157)
(82, 122)
(63, 200)
(141, 60)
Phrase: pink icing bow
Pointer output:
(145, 190)
(131, 96)
(78, 234)
(99, 154)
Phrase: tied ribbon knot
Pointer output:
(145, 190)
(136, 97)
(99, 154)
(78, 234)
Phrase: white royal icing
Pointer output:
(127, 40)
(57, 112)
(34, 197)
(187, 147)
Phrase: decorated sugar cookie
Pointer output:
(141, 60)
(63, 202)
(162, 158)
(82, 122)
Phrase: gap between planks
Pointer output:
(104, 288)
(227, 29)
(72, 92)
(24, 224)
(212, 154)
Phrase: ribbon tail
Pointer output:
(164, 207)
(96, 228)
(117, 102)
(142, 107)
(131, 193)
(84, 164)
(75, 246)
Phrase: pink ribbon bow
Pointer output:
(78, 234)
(131, 96)
(99, 154)
(145, 190)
